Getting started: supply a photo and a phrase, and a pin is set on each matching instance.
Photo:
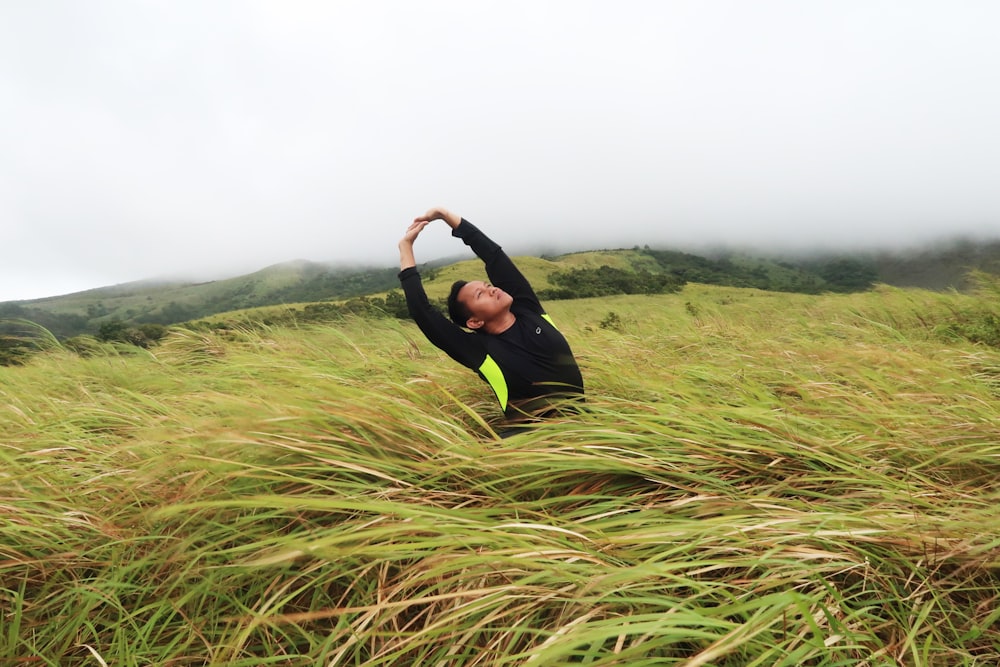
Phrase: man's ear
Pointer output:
(474, 323)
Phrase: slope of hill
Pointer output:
(170, 303)
(944, 266)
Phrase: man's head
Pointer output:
(457, 311)
(476, 304)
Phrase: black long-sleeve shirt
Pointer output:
(528, 364)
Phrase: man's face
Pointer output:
(484, 301)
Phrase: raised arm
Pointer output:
(406, 256)
(460, 345)
(499, 267)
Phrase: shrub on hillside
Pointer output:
(140, 335)
(19, 339)
(980, 324)
(609, 281)
(14, 350)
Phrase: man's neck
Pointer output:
(500, 324)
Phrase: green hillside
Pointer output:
(170, 303)
(759, 478)
(573, 275)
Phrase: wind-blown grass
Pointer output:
(757, 479)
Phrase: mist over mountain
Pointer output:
(149, 143)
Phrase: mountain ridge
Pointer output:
(164, 302)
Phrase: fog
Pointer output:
(192, 139)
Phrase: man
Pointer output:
(511, 343)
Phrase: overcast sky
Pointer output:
(211, 138)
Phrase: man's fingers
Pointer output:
(430, 216)
(414, 229)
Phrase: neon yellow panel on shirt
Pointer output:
(491, 371)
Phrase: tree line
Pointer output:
(839, 274)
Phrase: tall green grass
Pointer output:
(757, 479)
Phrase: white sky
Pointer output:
(209, 138)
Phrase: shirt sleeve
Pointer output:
(499, 267)
(462, 346)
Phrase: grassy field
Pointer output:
(759, 479)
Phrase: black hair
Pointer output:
(458, 311)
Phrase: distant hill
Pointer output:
(161, 302)
(586, 273)
(943, 266)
